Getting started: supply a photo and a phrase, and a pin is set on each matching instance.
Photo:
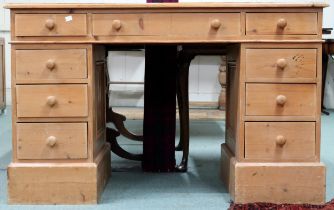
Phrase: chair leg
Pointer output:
(179, 146)
(183, 103)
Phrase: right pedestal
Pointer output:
(272, 148)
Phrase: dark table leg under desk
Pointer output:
(159, 108)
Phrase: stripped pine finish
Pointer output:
(273, 102)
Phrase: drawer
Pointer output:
(281, 64)
(130, 24)
(51, 140)
(52, 100)
(281, 99)
(50, 25)
(282, 23)
(272, 141)
(51, 64)
(205, 25)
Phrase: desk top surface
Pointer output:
(163, 5)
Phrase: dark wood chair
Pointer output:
(185, 55)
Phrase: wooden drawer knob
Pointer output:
(281, 63)
(50, 64)
(51, 141)
(116, 24)
(281, 100)
(280, 140)
(50, 24)
(282, 23)
(51, 101)
(215, 24)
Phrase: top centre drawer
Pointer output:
(130, 24)
(189, 25)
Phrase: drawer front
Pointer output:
(50, 25)
(281, 64)
(51, 140)
(280, 140)
(281, 23)
(130, 24)
(52, 100)
(281, 99)
(51, 64)
(205, 25)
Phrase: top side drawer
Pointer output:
(282, 23)
(130, 24)
(50, 65)
(281, 64)
(50, 25)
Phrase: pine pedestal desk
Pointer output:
(272, 147)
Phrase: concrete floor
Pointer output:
(200, 188)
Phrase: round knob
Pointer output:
(51, 141)
(51, 101)
(282, 23)
(50, 64)
(49, 24)
(116, 24)
(215, 24)
(280, 140)
(281, 100)
(281, 63)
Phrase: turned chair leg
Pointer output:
(182, 89)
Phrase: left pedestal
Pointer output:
(60, 154)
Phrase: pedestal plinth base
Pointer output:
(294, 183)
(59, 183)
